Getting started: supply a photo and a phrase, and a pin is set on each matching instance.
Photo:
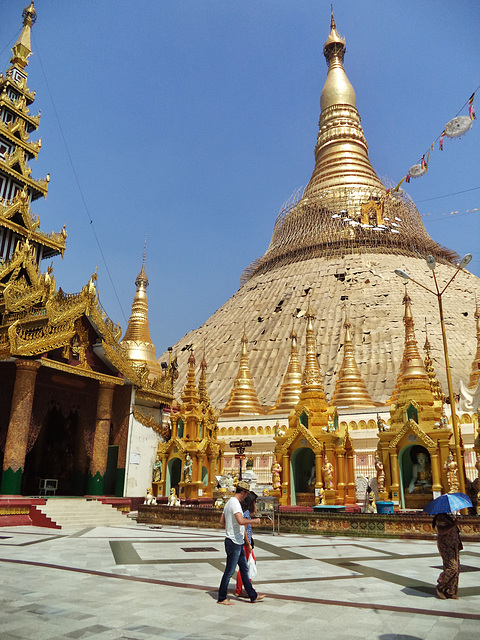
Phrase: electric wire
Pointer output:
(87, 211)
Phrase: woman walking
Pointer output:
(449, 545)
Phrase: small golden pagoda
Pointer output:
(291, 388)
(415, 449)
(192, 457)
(350, 390)
(243, 398)
(137, 341)
(316, 458)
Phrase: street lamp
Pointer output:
(456, 434)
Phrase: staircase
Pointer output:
(79, 512)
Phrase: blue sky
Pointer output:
(193, 122)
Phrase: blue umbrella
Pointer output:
(448, 503)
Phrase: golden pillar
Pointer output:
(395, 487)
(200, 485)
(341, 476)
(211, 480)
(19, 425)
(318, 474)
(435, 466)
(351, 489)
(98, 465)
(284, 498)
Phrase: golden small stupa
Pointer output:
(243, 399)
(416, 427)
(292, 382)
(137, 341)
(350, 390)
(192, 457)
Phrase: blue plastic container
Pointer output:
(385, 507)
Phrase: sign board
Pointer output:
(240, 443)
(239, 457)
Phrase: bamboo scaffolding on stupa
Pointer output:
(338, 222)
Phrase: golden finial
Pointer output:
(335, 44)
(142, 276)
(22, 49)
(202, 383)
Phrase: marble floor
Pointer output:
(140, 582)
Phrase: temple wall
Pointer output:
(141, 453)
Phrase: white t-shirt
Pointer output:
(233, 530)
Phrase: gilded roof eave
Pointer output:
(39, 187)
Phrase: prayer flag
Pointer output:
(471, 110)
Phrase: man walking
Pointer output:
(234, 522)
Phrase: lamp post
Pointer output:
(430, 260)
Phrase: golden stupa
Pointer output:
(137, 341)
(337, 247)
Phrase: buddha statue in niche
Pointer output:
(421, 480)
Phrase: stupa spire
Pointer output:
(435, 385)
(202, 383)
(312, 377)
(137, 340)
(292, 382)
(475, 374)
(413, 382)
(345, 205)
(22, 48)
(190, 395)
(18, 188)
(350, 390)
(243, 399)
(341, 153)
(414, 367)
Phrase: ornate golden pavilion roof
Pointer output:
(322, 249)
(136, 341)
